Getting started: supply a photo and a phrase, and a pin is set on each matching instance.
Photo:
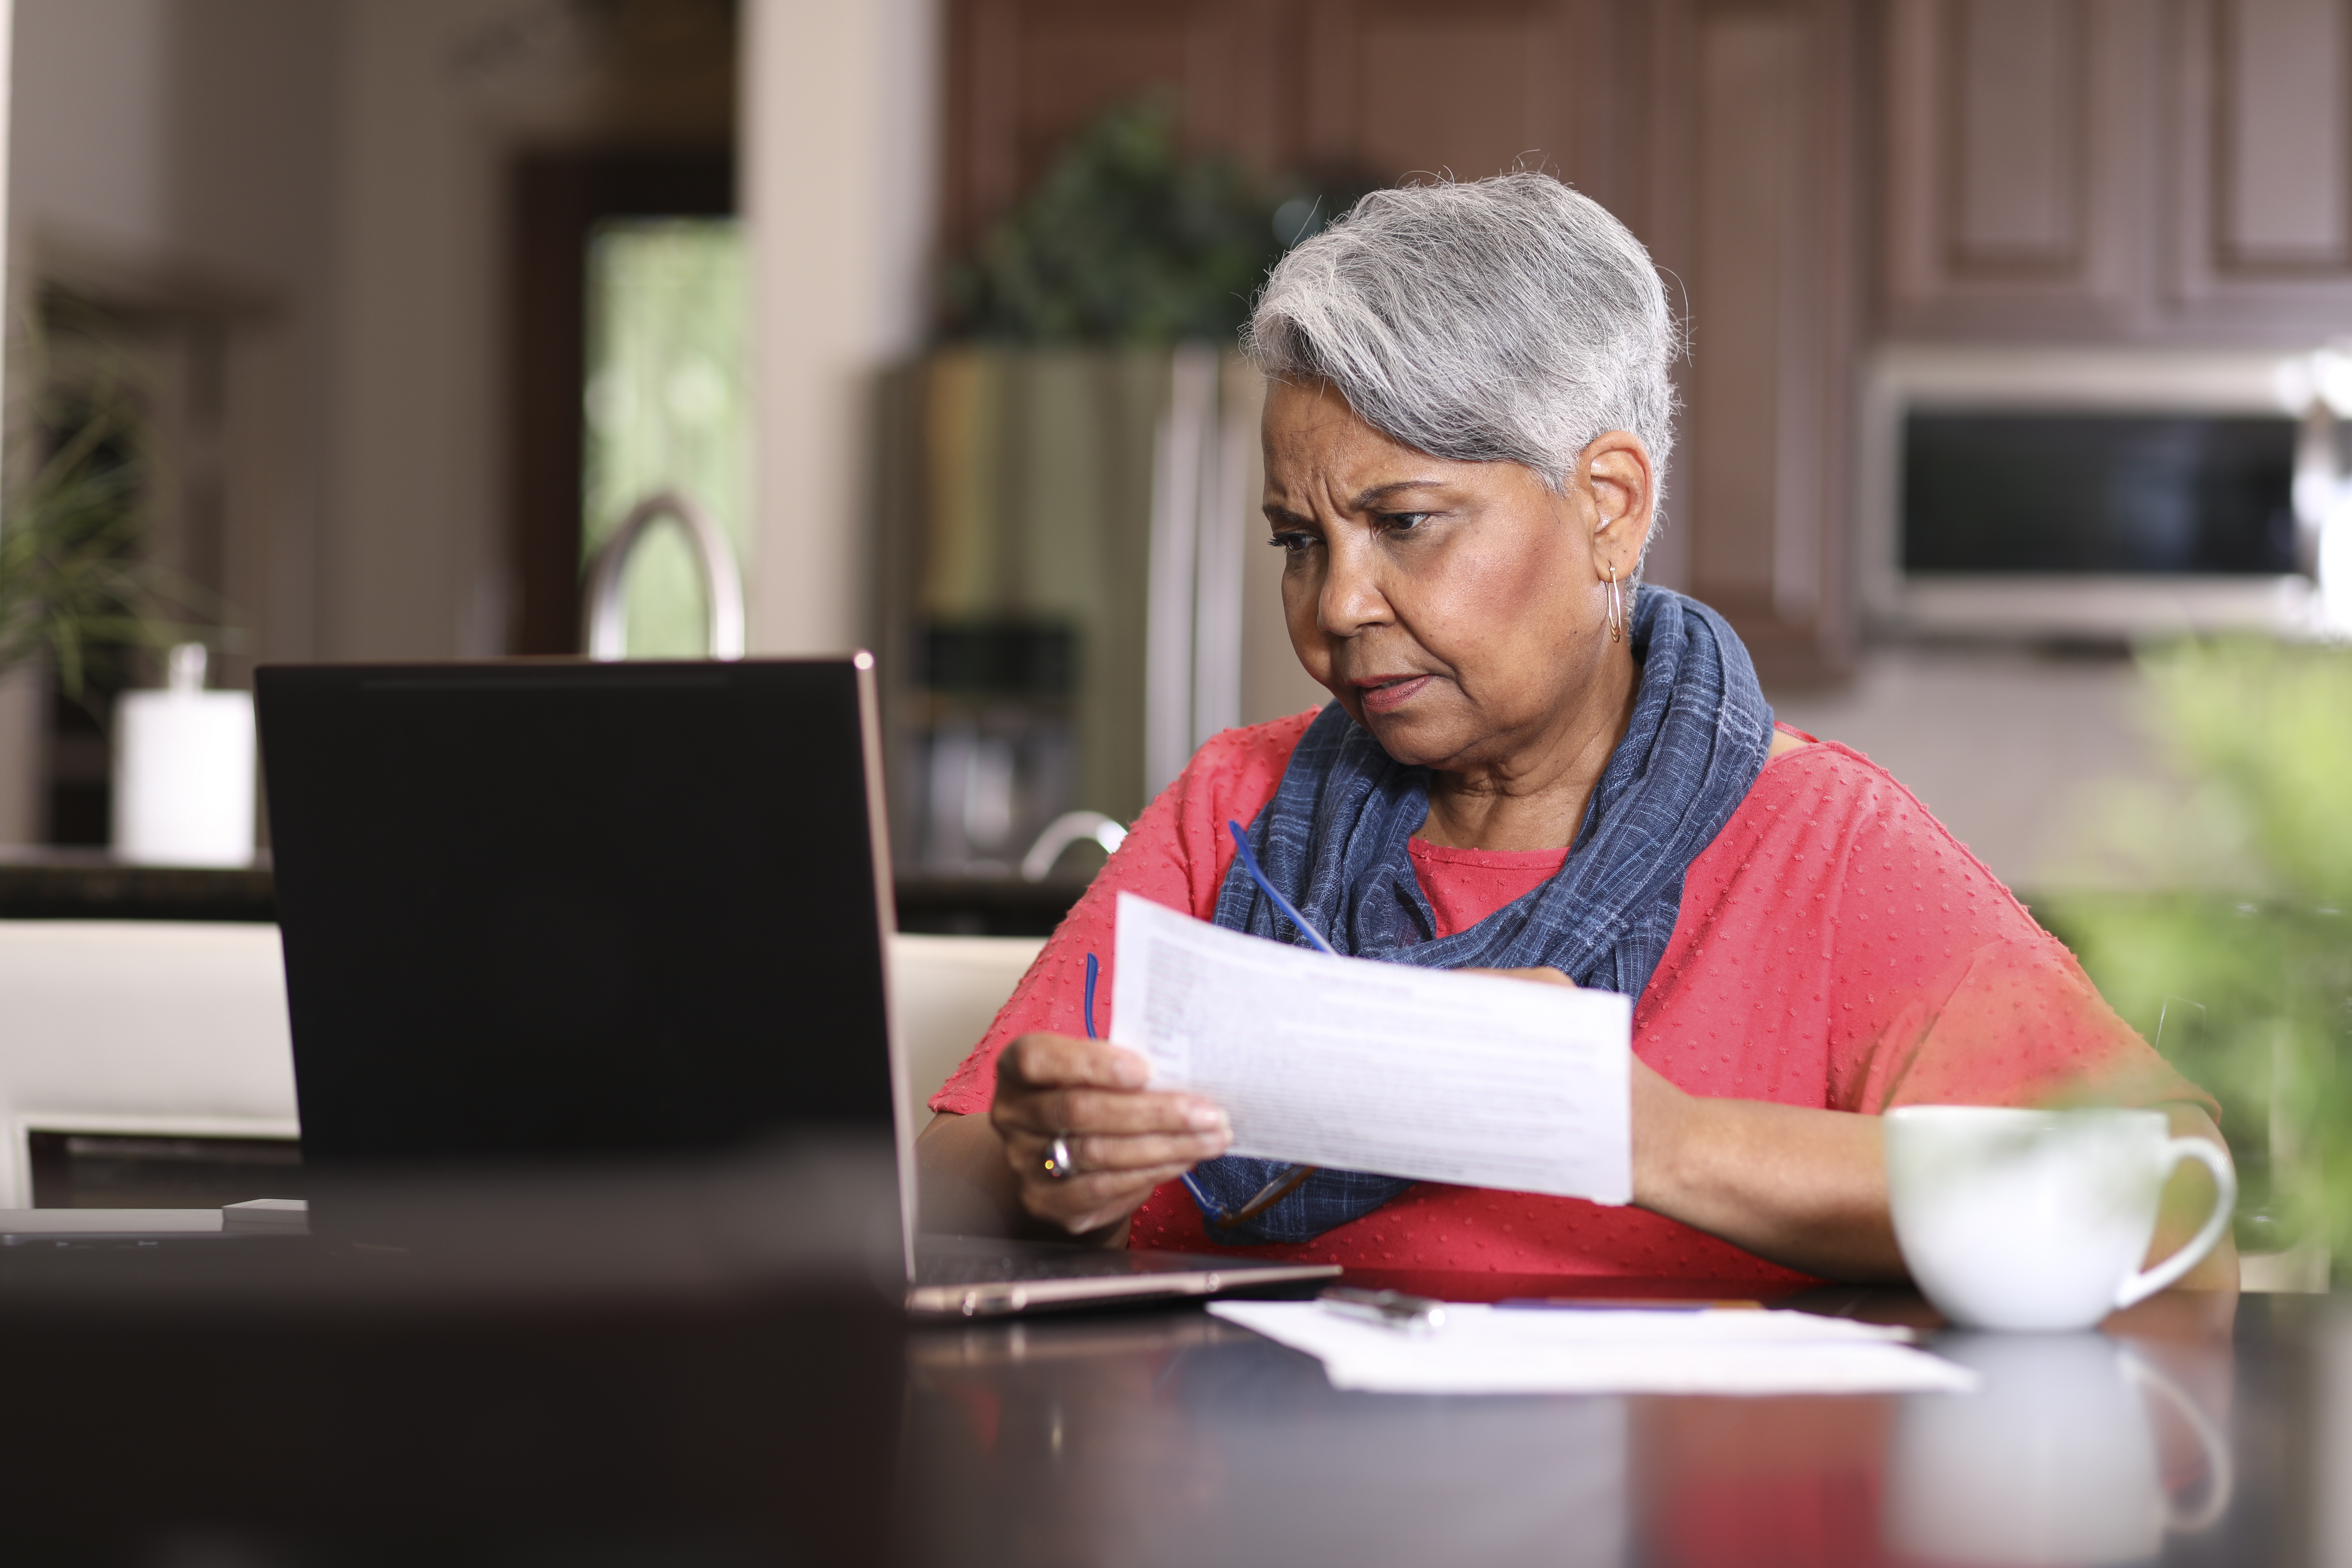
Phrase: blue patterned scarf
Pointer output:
(1334, 837)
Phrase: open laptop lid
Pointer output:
(561, 910)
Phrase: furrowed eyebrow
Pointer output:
(1367, 502)
(1373, 497)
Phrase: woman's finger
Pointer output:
(1043, 1060)
(1098, 1154)
(1052, 1110)
(1027, 1151)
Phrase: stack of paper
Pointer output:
(1510, 1349)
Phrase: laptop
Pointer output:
(563, 911)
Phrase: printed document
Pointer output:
(1507, 1349)
(1386, 1067)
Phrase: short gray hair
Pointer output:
(1509, 320)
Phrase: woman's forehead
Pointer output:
(1319, 453)
(1310, 429)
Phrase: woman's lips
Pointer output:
(1389, 694)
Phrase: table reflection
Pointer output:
(1172, 1438)
(2056, 1461)
(1195, 1442)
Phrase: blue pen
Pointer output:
(1287, 1178)
(1249, 864)
(1093, 969)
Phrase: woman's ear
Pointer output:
(1616, 469)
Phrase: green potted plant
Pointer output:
(2238, 965)
(72, 578)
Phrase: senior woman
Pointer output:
(1532, 766)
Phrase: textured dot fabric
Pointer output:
(1835, 947)
(1464, 885)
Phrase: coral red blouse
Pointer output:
(1836, 947)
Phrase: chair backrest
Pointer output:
(945, 992)
(153, 1027)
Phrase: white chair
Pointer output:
(946, 990)
(178, 1028)
(150, 1028)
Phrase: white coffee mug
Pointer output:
(2038, 1220)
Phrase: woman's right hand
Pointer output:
(1123, 1139)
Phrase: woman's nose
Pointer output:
(1351, 597)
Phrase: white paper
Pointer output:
(1488, 1350)
(1441, 1077)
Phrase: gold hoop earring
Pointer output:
(1616, 608)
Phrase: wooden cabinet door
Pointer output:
(2262, 239)
(1376, 88)
(1751, 210)
(2020, 165)
(2151, 170)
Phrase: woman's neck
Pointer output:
(1534, 798)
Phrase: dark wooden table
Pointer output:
(1170, 1437)
(275, 1402)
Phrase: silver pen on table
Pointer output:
(1389, 1309)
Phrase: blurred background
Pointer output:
(354, 329)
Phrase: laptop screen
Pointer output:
(576, 910)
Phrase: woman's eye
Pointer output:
(1403, 521)
(1293, 542)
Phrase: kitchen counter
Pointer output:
(68, 884)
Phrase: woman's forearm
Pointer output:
(1805, 1188)
(1808, 1188)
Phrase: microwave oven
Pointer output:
(2082, 493)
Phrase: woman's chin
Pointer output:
(1416, 736)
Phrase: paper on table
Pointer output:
(1386, 1067)
(1486, 1349)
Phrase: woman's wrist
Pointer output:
(1662, 1120)
(1805, 1187)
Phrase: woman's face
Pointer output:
(1458, 610)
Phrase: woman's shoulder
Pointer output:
(1820, 781)
(1827, 803)
(1238, 770)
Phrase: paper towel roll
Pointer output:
(184, 771)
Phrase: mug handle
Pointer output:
(2148, 1281)
(2221, 1474)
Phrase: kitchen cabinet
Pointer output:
(1748, 204)
(2263, 144)
(2021, 140)
(1383, 88)
(1813, 175)
(2117, 169)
